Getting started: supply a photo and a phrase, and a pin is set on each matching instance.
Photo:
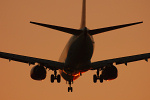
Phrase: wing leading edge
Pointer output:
(53, 65)
(121, 60)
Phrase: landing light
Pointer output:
(77, 74)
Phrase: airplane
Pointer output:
(76, 56)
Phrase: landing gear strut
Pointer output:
(55, 76)
(70, 88)
(97, 76)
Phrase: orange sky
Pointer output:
(20, 37)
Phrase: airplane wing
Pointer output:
(121, 60)
(52, 65)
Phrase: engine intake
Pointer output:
(38, 73)
(109, 72)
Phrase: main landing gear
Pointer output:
(55, 77)
(97, 76)
(70, 88)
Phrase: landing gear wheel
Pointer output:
(52, 78)
(70, 89)
(101, 78)
(94, 78)
(58, 79)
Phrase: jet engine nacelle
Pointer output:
(110, 72)
(38, 73)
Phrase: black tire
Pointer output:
(68, 89)
(52, 78)
(71, 89)
(101, 78)
(94, 78)
(58, 79)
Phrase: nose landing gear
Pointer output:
(70, 88)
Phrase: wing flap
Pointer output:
(32, 60)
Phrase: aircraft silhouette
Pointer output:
(76, 56)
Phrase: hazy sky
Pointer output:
(18, 36)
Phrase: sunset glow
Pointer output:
(19, 36)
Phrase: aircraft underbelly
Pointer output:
(78, 57)
(80, 51)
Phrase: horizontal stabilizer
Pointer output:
(59, 28)
(101, 30)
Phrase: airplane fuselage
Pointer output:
(77, 55)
